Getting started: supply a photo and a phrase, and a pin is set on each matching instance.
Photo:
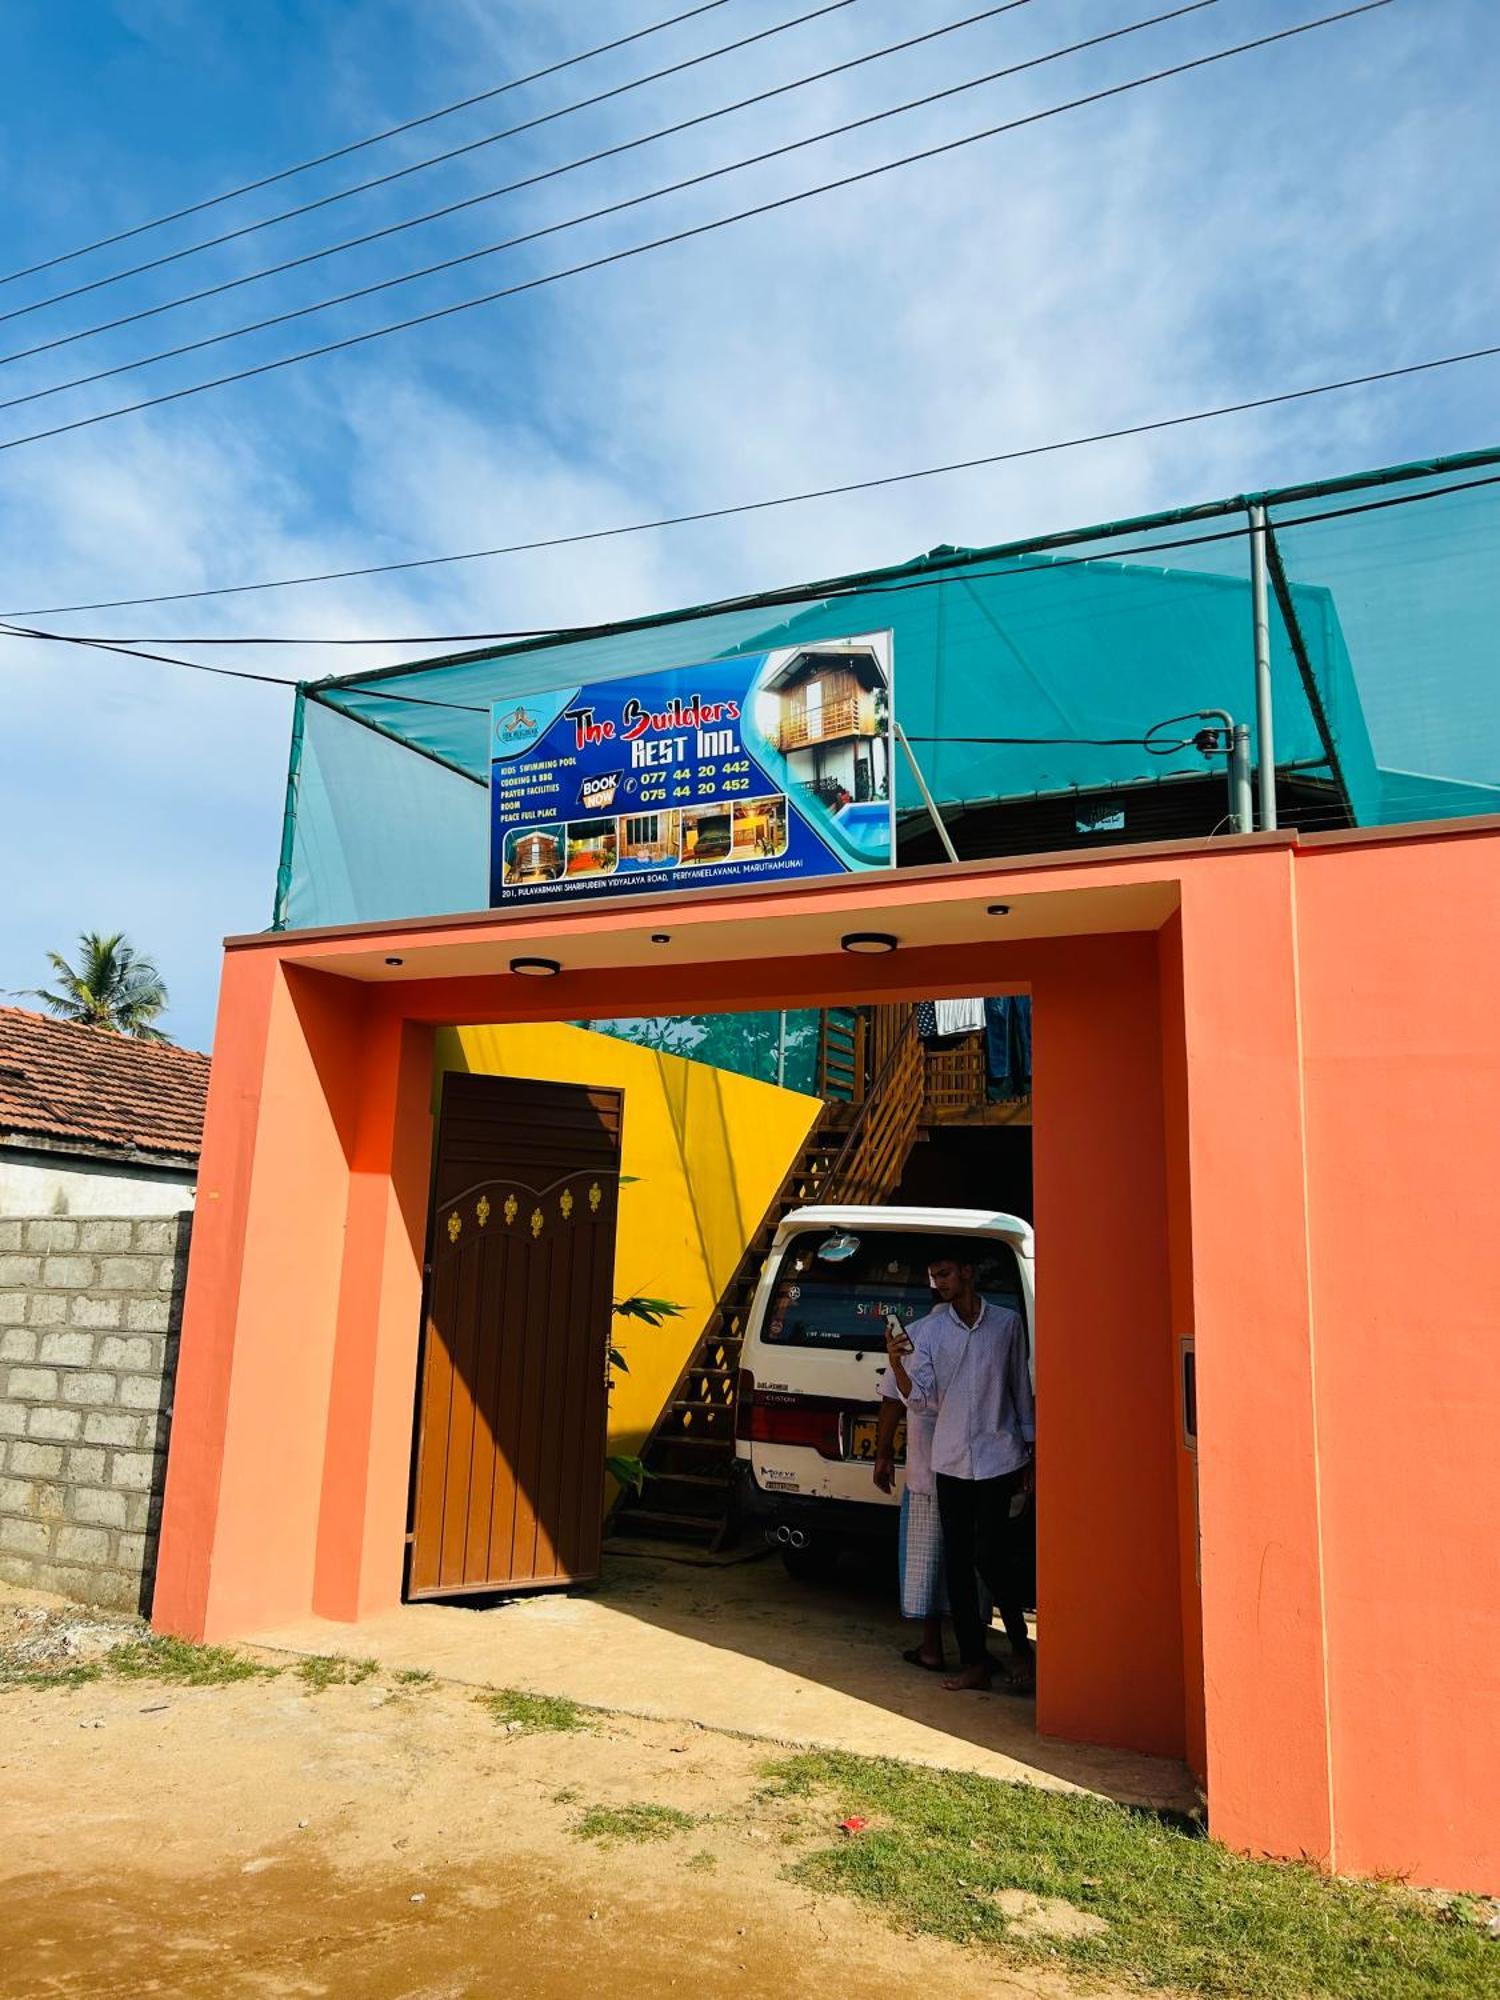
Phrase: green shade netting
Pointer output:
(1385, 644)
(1028, 646)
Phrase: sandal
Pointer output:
(913, 1658)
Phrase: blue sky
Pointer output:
(1301, 213)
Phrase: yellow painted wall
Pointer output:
(706, 1151)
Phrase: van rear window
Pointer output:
(835, 1289)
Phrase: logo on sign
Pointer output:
(597, 793)
(517, 727)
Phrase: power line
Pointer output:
(1019, 452)
(132, 652)
(611, 208)
(692, 232)
(356, 145)
(420, 166)
(1015, 566)
(509, 187)
(792, 594)
(137, 653)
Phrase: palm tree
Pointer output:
(111, 988)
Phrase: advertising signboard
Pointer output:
(763, 766)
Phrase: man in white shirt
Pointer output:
(965, 1363)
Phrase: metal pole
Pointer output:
(1265, 730)
(781, 1050)
(1241, 799)
(927, 799)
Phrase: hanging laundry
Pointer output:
(927, 1027)
(960, 1017)
(1020, 1043)
(997, 1046)
(1007, 1045)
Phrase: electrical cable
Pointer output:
(699, 229)
(597, 214)
(202, 667)
(136, 653)
(802, 593)
(358, 145)
(760, 506)
(510, 187)
(1142, 742)
(420, 166)
(799, 593)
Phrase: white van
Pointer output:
(814, 1357)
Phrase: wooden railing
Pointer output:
(855, 1045)
(836, 718)
(842, 1055)
(955, 1079)
(870, 1165)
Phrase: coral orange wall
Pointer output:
(1400, 986)
(1262, 1593)
(703, 1152)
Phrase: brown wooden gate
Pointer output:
(507, 1488)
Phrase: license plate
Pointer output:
(862, 1435)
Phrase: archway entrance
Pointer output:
(336, 1200)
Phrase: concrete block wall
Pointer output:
(89, 1316)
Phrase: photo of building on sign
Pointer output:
(826, 708)
(534, 854)
(650, 840)
(593, 846)
(760, 828)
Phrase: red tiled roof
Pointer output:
(60, 1082)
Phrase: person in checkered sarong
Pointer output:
(923, 1584)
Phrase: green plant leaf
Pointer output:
(617, 1360)
(652, 1311)
(629, 1471)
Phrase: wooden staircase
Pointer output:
(853, 1153)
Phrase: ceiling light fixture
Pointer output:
(535, 968)
(868, 941)
(395, 961)
(661, 937)
(998, 910)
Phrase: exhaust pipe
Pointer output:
(796, 1538)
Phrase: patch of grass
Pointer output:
(161, 1658)
(327, 1670)
(1178, 1911)
(153, 1657)
(77, 1675)
(534, 1711)
(701, 1863)
(410, 1677)
(636, 1821)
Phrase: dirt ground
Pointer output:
(394, 1841)
(740, 1647)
